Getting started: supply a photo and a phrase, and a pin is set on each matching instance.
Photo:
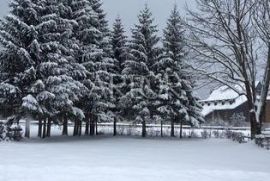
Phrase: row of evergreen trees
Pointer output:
(60, 62)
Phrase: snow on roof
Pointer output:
(222, 93)
(207, 109)
(226, 93)
(223, 98)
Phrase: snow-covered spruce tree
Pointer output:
(120, 54)
(102, 26)
(119, 44)
(105, 67)
(138, 102)
(97, 62)
(176, 100)
(88, 37)
(18, 56)
(81, 16)
(107, 62)
(58, 73)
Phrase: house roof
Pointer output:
(222, 93)
(223, 105)
(223, 98)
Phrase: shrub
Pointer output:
(13, 133)
(3, 131)
(205, 134)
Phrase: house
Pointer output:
(224, 105)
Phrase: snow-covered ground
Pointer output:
(128, 159)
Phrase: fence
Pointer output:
(155, 130)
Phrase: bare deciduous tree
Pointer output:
(226, 39)
(261, 20)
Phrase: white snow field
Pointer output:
(132, 159)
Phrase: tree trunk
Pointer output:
(143, 129)
(75, 130)
(181, 129)
(264, 93)
(261, 119)
(65, 126)
(96, 124)
(172, 128)
(114, 127)
(80, 128)
(161, 128)
(49, 127)
(253, 124)
(92, 125)
(251, 108)
(253, 120)
(39, 127)
(87, 125)
(44, 128)
(27, 128)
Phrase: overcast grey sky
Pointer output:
(3, 7)
(129, 9)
